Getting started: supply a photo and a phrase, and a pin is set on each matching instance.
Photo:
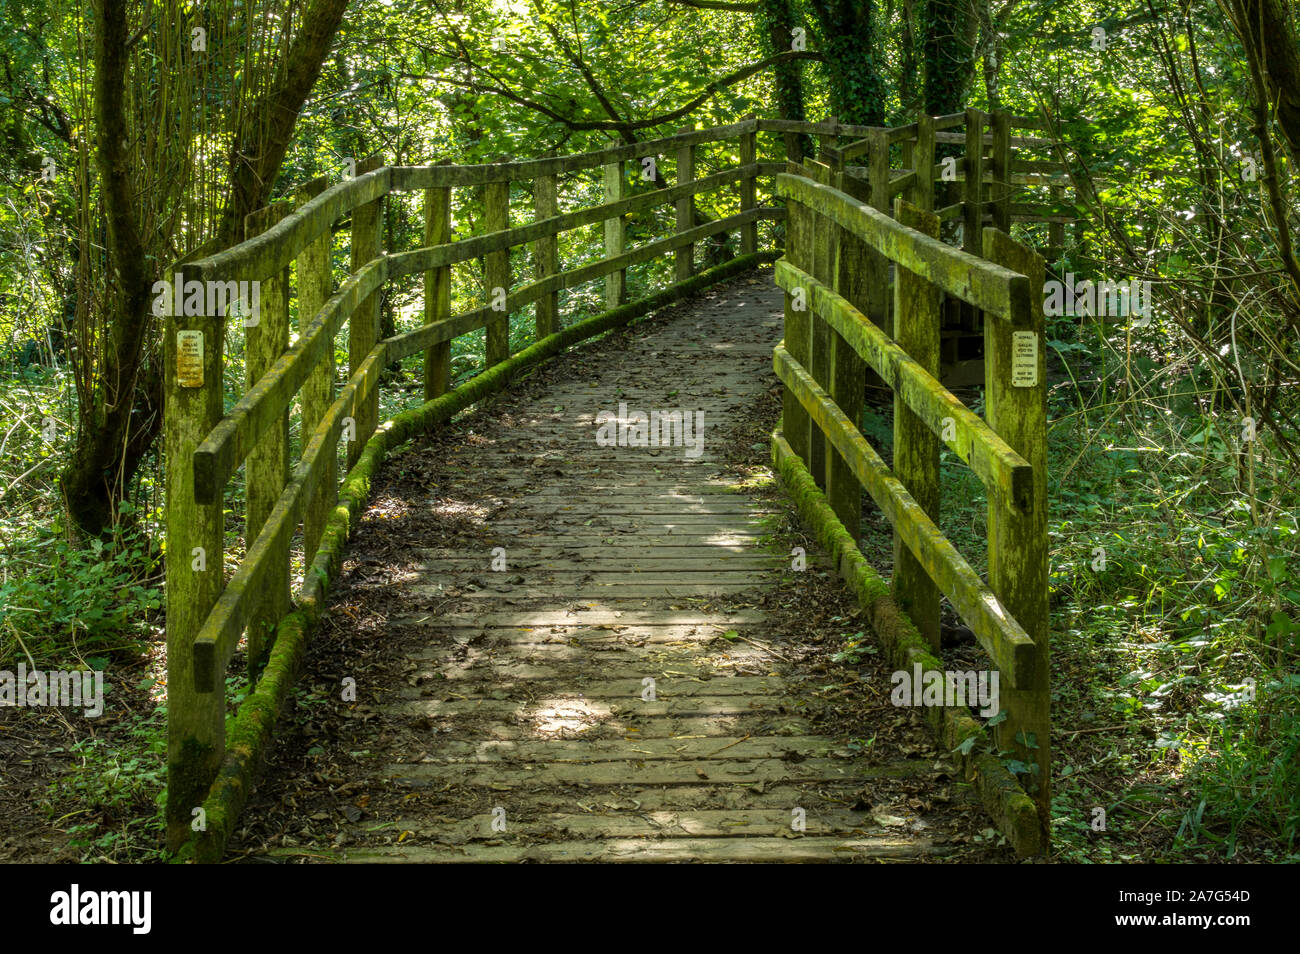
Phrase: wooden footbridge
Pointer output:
(597, 668)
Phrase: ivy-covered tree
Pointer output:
(848, 34)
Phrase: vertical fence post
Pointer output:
(267, 469)
(821, 241)
(1016, 401)
(921, 194)
(615, 282)
(851, 276)
(437, 290)
(878, 169)
(830, 138)
(496, 271)
(363, 326)
(974, 197)
(795, 421)
(748, 201)
(1055, 230)
(192, 350)
(546, 256)
(916, 448)
(315, 283)
(1000, 166)
(685, 257)
(972, 208)
(879, 305)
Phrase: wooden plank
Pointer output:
(626, 692)
(315, 282)
(586, 590)
(973, 198)
(748, 158)
(700, 823)
(194, 577)
(916, 447)
(784, 850)
(708, 750)
(631, 772)
(509, 672)
(794, 419)
(1017, 142)
(1056, 230)
(545, 256)
(496, 274)
(277, 247)
(1018, 556)
(610, 726)
(987, 286)
(586, 616)
(267, 468)
(1003, 472)
(997, 631)
(999, 166)
(674, 571)
(824, 128)
(558, 713)
(637, 557)
(363, 325)
(684, 262)
(615, 238)
(922, 192)
(437, 292)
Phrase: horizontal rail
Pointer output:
(987, 286)
(218, 638)
(235, 435)
(1004, 473)
(825, 128)
(258, 258)
(1017, 142)
(418, 339)
(438, 256)
(412, 178)
(1007, 644)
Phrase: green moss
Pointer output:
(255, 721)
(1006, 802)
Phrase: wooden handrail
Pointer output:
(990, 287)
(846, 205)
(837, 251)
(207, 616)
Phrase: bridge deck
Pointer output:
(519, 697)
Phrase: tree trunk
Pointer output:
(119, 379)
(776, 23)
(849, 47)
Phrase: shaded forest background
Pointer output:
(135, 134)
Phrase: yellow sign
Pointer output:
(1024, 359)
(189, 359)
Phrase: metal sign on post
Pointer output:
(1024, 359)
(189, 359)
